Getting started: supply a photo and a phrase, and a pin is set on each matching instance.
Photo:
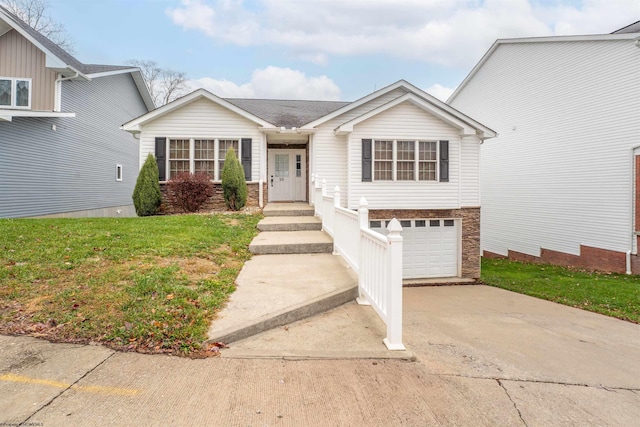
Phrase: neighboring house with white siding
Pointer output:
(62, 152)
(410, 155)
(561, 182)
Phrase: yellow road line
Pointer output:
(110, 391)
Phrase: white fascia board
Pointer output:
(187, 99)
(552, 39)
(355, 104)
(464, 127)
(294, 131)
(4, 27)
(113, 72)
(8, 115)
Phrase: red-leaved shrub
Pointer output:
(189, 191)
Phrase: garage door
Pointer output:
(430, 247)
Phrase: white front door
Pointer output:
(287, 175)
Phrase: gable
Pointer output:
(201, 117)
(406, 120)
(21, 58)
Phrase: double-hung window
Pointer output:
(427, 160)
(178, 156)
(199, 155)
(383, 164)
(405, 160)
(15, 92)
(205, 157)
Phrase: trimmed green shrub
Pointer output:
(234, 185)
(146, 195)
(189, 191)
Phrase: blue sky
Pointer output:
(321, 49)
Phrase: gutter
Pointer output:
(58, 89)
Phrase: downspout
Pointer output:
(633, 207)
(634, 192)
(58, 86)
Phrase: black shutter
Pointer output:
(161, 157)
(444, 161)
(366, 160)
(246, 158)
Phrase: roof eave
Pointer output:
(444, 112)
(136, 124)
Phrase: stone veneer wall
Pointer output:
(215, 202)
(470, 231)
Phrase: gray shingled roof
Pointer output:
(65, 56)
(287, 113)
(631, 28)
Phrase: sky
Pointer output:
(321, 49)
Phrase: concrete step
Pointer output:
(291, 242)
(290, 223)
(275, 290)
(288, 209)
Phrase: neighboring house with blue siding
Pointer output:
(560, 183)
(62, 152)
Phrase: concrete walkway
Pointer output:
(292, 276)
(485, 357)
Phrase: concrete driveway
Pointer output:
(484, 357)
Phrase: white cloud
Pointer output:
(273, 83)
(445, 32)
(441, 92)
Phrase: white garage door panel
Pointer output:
(429, 251)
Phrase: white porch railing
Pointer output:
(377, 259)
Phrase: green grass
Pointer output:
(148, 284)
(614, 295)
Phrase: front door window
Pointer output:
(282, 165)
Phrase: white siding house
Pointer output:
(410, 155)
(557, 183)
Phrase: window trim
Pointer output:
(119, 173)
(395, 161)
(14, 93)
(192, 160)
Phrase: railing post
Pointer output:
(363, 213)
(312, 199)
(317, 190)
(363, 219)
(337, 231)
(393, 341)
(324, 187)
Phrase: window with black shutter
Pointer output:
(161, 157)
(367, 159)
(246, 158)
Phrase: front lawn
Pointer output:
(615, 295)
(146, 284)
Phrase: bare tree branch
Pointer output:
(164, 84)
(34, 13)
